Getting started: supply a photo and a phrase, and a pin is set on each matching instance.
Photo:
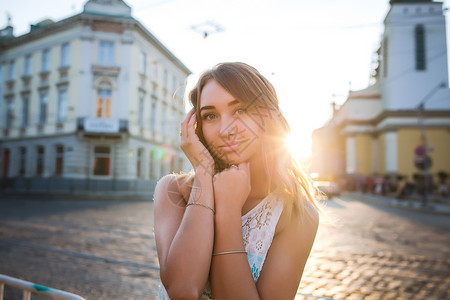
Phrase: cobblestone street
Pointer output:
(105, 250)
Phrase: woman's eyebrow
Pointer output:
(231, 103)
(207, 107)
(234, 102)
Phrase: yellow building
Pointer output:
(383, 129)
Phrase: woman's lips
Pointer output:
(231, 147)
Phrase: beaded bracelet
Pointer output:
(201, 204)
(229, 252)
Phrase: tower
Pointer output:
(414, 56)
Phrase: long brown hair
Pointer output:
(247, 85)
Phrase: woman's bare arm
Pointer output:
(184, 236)
(287, 256)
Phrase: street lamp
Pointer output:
(420, 110)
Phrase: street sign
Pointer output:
(419, 151)
(423, 163)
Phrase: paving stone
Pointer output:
(340, 296)
(374, 296)
(395, 284)
(355, 296)
(390, 296)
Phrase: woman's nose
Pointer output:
(229, 127)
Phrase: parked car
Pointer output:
(329, 188)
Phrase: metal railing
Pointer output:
(29, 288)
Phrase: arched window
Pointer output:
(104, 100)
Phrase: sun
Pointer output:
(299, 146)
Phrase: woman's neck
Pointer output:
(259, 180)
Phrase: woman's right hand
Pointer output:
(191, 145)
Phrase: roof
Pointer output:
(40, 30)
(116, 8)
(409, 1)
(370, 92)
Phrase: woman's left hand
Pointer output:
(232, 187)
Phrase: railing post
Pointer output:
(26, 295)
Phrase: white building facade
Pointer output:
(93, 102)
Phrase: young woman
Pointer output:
(242, 224)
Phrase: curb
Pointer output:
(390, 203)
(116, 196)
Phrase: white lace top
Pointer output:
(258, 229)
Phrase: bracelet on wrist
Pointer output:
(229, 252)
(201, 204)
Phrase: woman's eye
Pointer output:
(241, 111)
(208, 117)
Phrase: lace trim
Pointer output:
(258, 229)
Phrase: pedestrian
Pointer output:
(241, 225)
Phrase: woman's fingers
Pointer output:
(245, 166)
(184, 124)
(191, 126)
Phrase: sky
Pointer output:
(313, 51)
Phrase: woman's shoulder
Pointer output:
(303, 216)
(175, 187)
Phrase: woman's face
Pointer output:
(228, 127)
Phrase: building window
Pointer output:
(150, 165)
(172, 164)
(27, 67)
(25, 110)
(155, 71)
(180, 165)
(22, 161)
(174, 85)
(419, 37)
(164, 120)
(102, 161)
(6, 160)
(59, 163)
(65, 50)
(12, 70)
(43, 100)
(62, 106)
(141, 111)
(143, 63)
(166, 79)
(106, 53)
(104, 103)
(46, 61)
(153, 116)
(40, 161)
(162, 168)
(9, 112)
(172, 124)
(140, 156)
(385, 57)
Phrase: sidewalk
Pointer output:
(436, 204)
